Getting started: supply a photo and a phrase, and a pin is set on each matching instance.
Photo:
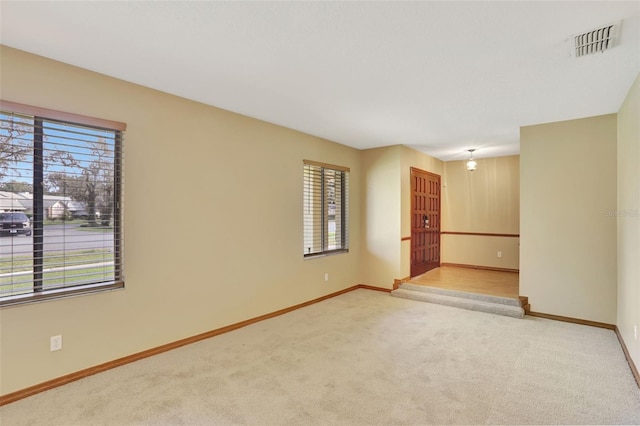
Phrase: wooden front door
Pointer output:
(425, 221)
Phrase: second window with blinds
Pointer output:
(326, 209)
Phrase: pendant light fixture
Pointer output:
(471, 164)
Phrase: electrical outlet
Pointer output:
(55, 343)
(499, 254)
(326, 277)
(635, 332)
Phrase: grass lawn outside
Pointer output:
(63, 222)
(84, 224)
(60, 270)
(98, 228)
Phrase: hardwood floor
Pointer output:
(493, 283)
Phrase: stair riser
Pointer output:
(458, 294)
(462, 303)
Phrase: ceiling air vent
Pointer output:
(595, 41)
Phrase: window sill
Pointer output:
(61, 293)
(325, 254)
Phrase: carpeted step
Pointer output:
(463, 301)
(455, 293)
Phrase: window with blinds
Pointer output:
(60, 204)
(326, 208)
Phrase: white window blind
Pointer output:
(326, 208)
(60, 204)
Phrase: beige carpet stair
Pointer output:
(475, 302)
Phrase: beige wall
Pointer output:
(568, 243)
(387, 210)
(381, 215)
(484, 201)
(239, 180)
(628, 220)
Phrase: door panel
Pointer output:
(425, 221)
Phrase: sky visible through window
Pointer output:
(67, 148)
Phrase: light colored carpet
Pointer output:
(362, 358)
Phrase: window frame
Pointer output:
(323, 213)
(43, 114)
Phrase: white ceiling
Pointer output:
(441, 77)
